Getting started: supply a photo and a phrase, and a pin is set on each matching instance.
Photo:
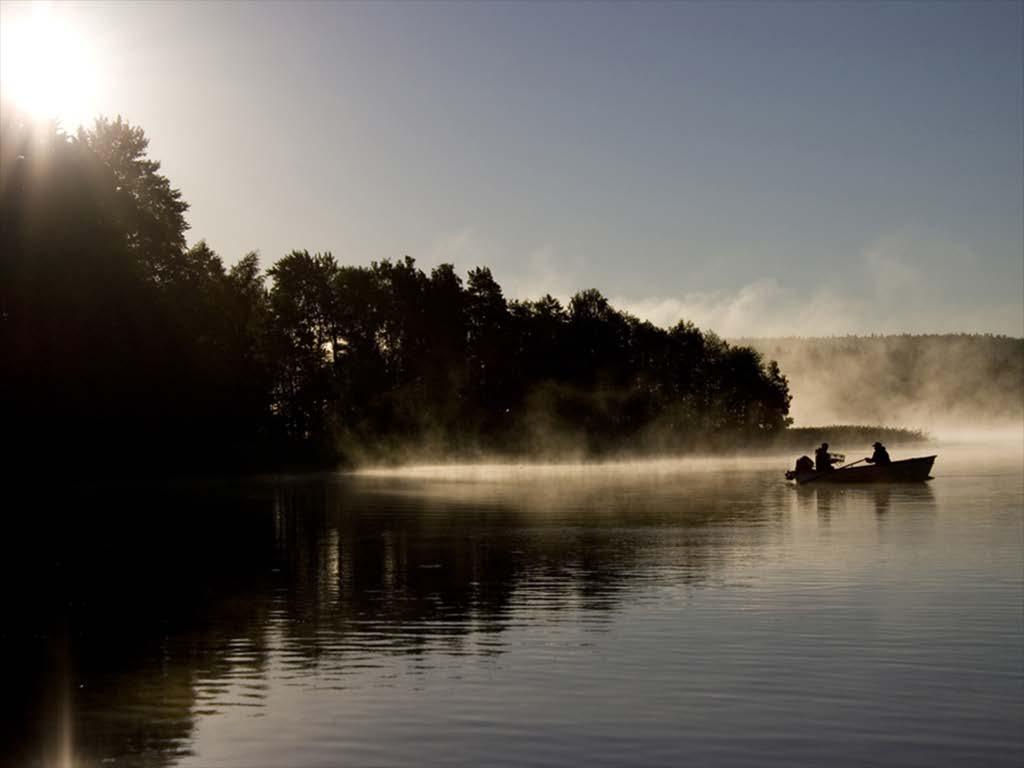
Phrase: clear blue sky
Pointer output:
(760, 168)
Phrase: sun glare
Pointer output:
(47, 67)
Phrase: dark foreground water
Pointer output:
(666, 613)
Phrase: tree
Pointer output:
(77, 333)
(157, 231)
(488, 351)
(444, 365)
(305, 341)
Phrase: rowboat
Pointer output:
(905, 471)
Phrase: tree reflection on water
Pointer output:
(150, 608)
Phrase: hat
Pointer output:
(877, 445)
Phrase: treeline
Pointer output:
(847, 437)
(122, 344)
(924, 381)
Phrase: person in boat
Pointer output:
(823, 460)
(880, 457)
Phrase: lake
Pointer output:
(671, 612)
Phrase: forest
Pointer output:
(123, 345)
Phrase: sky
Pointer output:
(757, 168)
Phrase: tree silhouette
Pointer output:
(132, 347)
(157, 231)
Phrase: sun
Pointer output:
(47, 67)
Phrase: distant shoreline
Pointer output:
(845, 435)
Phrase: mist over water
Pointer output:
(948, 385)
(610, 613)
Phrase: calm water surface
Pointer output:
(664, 613)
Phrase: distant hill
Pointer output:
(919, 381)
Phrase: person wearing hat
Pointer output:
(880, 456)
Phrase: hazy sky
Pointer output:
(760, 168)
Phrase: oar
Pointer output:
(811, 480)
(858, 461)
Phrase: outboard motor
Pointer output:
(803, 465)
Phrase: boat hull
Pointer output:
(906, 471)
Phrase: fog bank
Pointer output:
(944, 384)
